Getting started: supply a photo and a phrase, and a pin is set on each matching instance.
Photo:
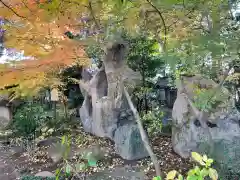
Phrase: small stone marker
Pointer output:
(54, 94)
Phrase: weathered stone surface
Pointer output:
(105, 108)
(48, 142)
(5, 117)
(224, 128)
(128, 142)
(45, 174)
(5, 110)
(5, 114)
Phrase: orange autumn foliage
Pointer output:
(40, 38)
(32, 75)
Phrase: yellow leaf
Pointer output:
(205, 158)
(197, 157)
(171, 175)
(213, 174)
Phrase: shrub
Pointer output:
(152, 121)
(197, 173)
(28, 120)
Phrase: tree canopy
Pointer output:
(187, 30)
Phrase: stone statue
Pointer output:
(105, 111)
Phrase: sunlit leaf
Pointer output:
(197, 157)
(157, 178)
(213, 174)
(171, 175)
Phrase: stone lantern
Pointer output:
(166, 94)
(161, 86)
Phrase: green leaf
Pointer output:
(197, 170)
(209, 162)
(213, 174)
(92, 162)
(192, 178)
(204, 172)
(197, 157)
(68, 169)
(171, 174)
(157, 178)
(57, 173)
(63, 139)
(180, 177)
(191, 172)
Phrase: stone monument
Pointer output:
(105, 111)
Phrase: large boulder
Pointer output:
(221, 139)
(128, 142)
(45, 174)
(105, 108)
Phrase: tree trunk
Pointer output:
(144, 135)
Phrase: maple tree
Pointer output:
(186, 29)
(32, 75)
(40, 39)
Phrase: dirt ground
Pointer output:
(31, 162)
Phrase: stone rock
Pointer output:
(105, 108)
(128, 142)
(5, 116)
(48, 142)
(45, 174)
(223, 133)
(5, 110)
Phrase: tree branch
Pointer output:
(143, 134)
(11, 9)
(163, 21)
(220, 84)
(93, 15)
(191, 11)
(26, 5)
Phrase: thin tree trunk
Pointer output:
(144, 135)
(144, 86)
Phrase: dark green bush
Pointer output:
(28, 120)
